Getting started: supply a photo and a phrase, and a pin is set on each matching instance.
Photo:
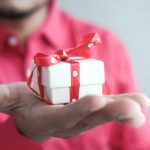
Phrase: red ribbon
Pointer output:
(44, 60)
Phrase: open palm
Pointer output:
(40, 121)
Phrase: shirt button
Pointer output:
(12, 41)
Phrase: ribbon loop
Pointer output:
(62, 54)
(90, 38)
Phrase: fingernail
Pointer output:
(138, 108)
(122, 117)
(147, 100)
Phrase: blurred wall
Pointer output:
(130, 19)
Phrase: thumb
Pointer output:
(8, 97)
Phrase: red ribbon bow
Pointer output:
(44, 60)
(86, 43)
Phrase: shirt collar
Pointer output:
(57, 29)
(7, 39)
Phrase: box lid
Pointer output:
(59, 75)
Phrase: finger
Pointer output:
(135, 121)
(63, 117)
(129, 110)
(8, 97)
(69, 115)
(115, 111)
(140, 98)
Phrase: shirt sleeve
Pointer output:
(118, 65)
(121, 76)
(119, 70)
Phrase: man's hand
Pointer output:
(39, 121)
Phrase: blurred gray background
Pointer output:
(129, 19)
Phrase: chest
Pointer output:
(15, 62)
(12, 68)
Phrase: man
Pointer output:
(27, 26)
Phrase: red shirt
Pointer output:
(59, 31)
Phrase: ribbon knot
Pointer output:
(62, 55)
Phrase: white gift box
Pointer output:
(56, 79)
